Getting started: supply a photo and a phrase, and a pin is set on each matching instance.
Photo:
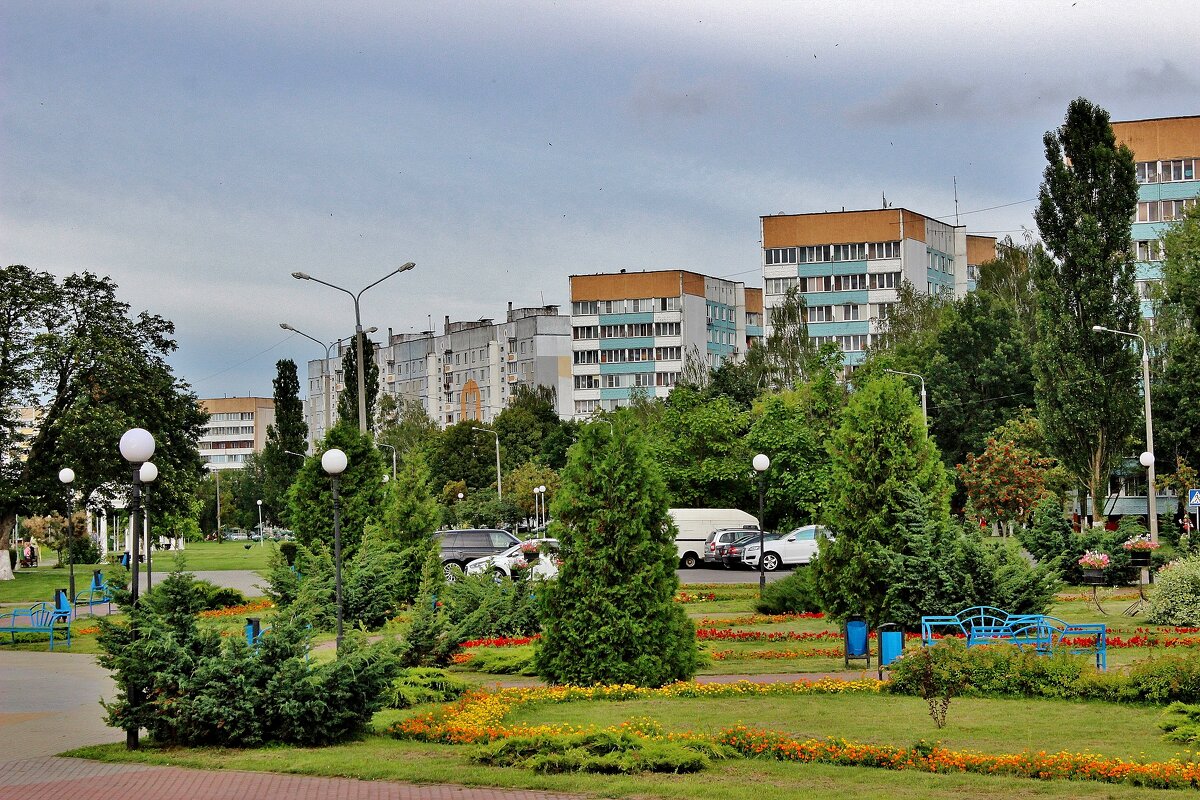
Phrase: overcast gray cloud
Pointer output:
(199, 152)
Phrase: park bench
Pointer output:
(96, 594)
(40, 618)
(1039, 632)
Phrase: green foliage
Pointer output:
(794, 594)
(288, 551)
(1181, 723)
(1087, 383)
(186, 686)
(464, 455)
(479, 607)
(792, 427)
(410, 511)
(610, 616)
(380, 580)
(418, 685)
(1049, 536)
(503, 660)
(1177, 323)
(607, 752)
(701, 447)
(360, 491)
(428, 640)
(528, 425)
(347, 401)
(289, 434)
(1176, 596)
(787, 356)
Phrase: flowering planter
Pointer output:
(530, 556)
(1139, 558)
(1093, 577)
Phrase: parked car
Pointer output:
(461, 546)
(723, 536)
(731, 554)
(502, 565)
(692, 525)
(798, 547)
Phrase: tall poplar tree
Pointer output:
(611, 616)
(1087, 382)
(347, 404)
(1176, 406)
(288, 435)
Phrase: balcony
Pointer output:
(511, 357)
(512, 378)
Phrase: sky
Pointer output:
(200, 152)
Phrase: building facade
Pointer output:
(237, 427)
(466, 373)
(848, 266)
(632, 332)
(1167, 154)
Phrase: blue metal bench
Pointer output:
(40, 618)
(1043, 634)
(96, 594)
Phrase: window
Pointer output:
(852, 343)
(584, 307)
(881, 310)
(666, 329)
(641, 329)
(821, 283)
(780, 285)
(587, 406)
(666, 378)
(612, 306)
(1145, 289)
(587, 357)
(849, 252)
(820, 313)
(884, 280)
(642, 379)
(585, 332)
(612, 381)
(884, 250)
(1148, 212)
(849, 313)
(668, 354)
(1149, 250)
(817, 254)
(843, 283)
(781, 255)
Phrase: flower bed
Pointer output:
(757, 619)
(724, 634)
(1173, 774)
(237, 611)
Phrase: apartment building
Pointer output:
(848, 266)
(237, 427)
(1167, 153)
(466, 373)
(633, 331)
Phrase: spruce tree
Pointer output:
(1087, 382)
(611, 616)
(347, 403)
(360, 491)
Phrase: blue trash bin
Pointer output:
(891, 644)
(856, 635)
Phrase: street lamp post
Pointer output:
(924, 403)
(325, 377)
(499, 492)
(148, 473)
(67, 476)
(545, 516)
(1147, 458)
(334, 463)
(761, 462)
(137, 446)
(358, 332)
(261, 537)
(393, 449)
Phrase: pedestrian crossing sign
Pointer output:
(1194, 497)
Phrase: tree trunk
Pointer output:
(7, 523)
(1098, 485)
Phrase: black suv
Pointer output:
(459, 547)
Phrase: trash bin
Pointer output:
(891, 644)
(253, 630)
(856, 635)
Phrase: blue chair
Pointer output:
(97, 593)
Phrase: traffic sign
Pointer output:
(1194, 497)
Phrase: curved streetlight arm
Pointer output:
(401, 268)
(924, 400)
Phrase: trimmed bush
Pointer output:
(418, 685)
(479, 607)
(1176, 596)
(794, 594)
(608, 752)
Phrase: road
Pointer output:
(722, 575)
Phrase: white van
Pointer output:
(694, 525)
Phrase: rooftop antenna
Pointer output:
(955, 201)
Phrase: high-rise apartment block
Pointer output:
(632, 332)
(1167, 153)
(466, 373)
(848, 265)
(237, 427)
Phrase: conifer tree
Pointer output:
(611, 616)
(347, 403)
(289, 434)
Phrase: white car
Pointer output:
(502, 564)
(798, 547)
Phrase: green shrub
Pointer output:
(606, 752)
(1049, 536)
(187, 686)
(1176, 596)
(479, 607)
(1181, 723)
(418, 685)
(503, 660)
(289, 550)
(793, 594)
(428, 640)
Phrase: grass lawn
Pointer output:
(206, 556)
(38, 584)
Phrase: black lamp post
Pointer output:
(67, 476)
(147, 473)
(334, 463)
(137, 446)
(761, 462)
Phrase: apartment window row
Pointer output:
(668, 354)
(779, 285)
(587, 406)
(585, 332)
(852, 343)
(624, 355)
(231, 430)
(1149, 250)
(721, 337)
(858, 251)
(781, 255)
(713, 311)
(621, 331)
(587, 356)
(1163, 210)
(239, 445)
(581, 308)
(941, 263)
(231, 416)
(1183, 169)
(846, 283)
(667, 329)
(844, 313)
(233, 458)
(587, 381)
